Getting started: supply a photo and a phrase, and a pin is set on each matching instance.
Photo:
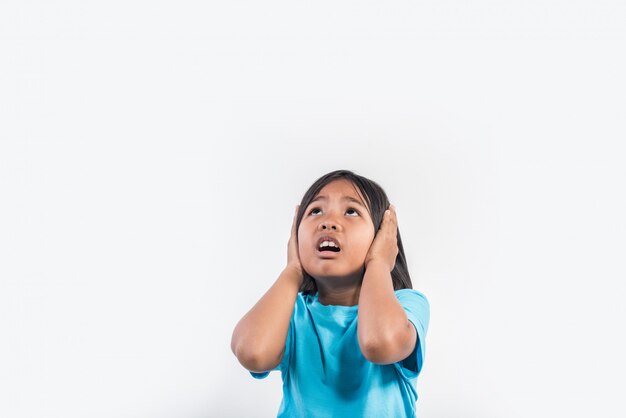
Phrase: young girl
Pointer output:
(342, 322)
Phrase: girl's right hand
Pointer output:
(293, 259)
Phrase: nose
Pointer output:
(329, 222)
(327, 225)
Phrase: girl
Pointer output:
(342, 322)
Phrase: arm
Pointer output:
(259, 337)
(384, 332)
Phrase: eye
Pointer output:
(349, 209)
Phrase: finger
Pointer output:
(392, 219)
(390, 214)
(386, 219)
(295, 218)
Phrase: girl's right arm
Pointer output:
(259, 337)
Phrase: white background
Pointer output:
(152, 154)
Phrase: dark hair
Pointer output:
(377, 202)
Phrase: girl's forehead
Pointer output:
(340, 188)
(343, 190)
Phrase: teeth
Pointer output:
(328, 244)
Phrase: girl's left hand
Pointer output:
(384, 248)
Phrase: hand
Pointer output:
(384, 248)
(293, 257)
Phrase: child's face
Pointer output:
(346, 221)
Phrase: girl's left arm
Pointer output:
(384, 332)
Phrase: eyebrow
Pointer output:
(345, 198)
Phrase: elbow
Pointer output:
(235, 345)
(246, 358)
(375, 351)
(391, 348)
(374, 345)
(251, 363)
(254, 360)
(255, 363)
(241, 350)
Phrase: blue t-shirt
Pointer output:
(325, 374)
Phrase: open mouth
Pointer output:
(328, 244)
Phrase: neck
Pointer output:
(338, 291)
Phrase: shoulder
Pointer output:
(303, 299)
(301, 306)
(411, 295)
(415, 304)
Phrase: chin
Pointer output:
(330, 272)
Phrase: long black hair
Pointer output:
(377, 202)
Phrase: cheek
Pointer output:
(362, 245)
(304, 242)
(366, 246)
(301, 245)
(368, 237)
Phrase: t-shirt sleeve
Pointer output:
(417, 310)
(284, 363)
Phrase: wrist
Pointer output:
(295, 272)
(377, 264)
